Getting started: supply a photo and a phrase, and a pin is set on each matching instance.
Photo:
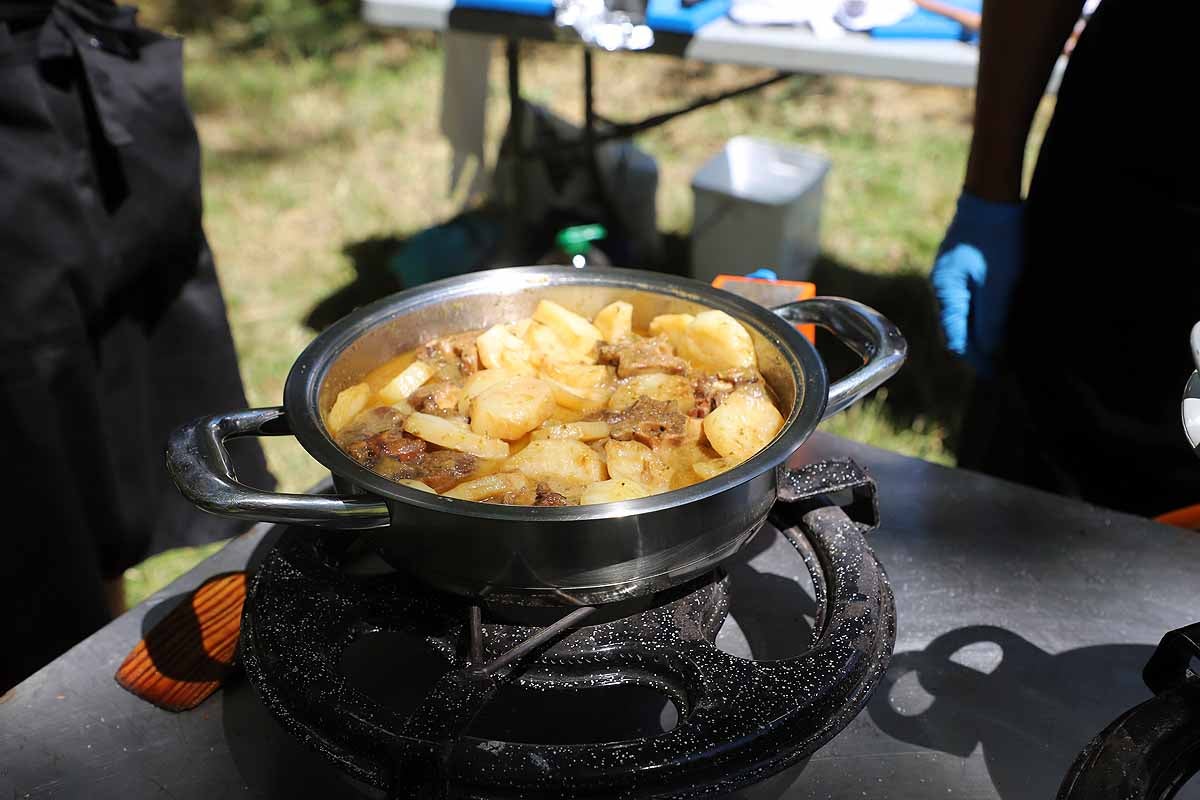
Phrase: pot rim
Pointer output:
(303, 385)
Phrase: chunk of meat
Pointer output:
(390, 444)
(525, 496)
(710, 391)
(651, 422)
(459, 349)
(369, 423)
(398, 444)
(544, 496)
(438, 469)
(739, 376)
(639, 356)
(440, 398)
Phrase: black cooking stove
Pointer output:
(420, 694)
(1024, 624)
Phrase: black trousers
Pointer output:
(1087, 400)
(112, 323)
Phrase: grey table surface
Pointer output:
(1024, 621)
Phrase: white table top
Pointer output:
(941, 62)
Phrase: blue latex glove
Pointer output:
(973, 277)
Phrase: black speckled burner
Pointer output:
(422, 694)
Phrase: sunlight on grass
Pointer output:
(868, 422)
(157, 571)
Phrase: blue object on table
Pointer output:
(672, 16)
(532, 8)
(667, 16)
(925, 24)
(763, 274)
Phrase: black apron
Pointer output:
(112, 324)
(1097, 350)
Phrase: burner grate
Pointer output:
(739, 721)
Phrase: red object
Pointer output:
(770, 293)
(1188, 517)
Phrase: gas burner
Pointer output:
(317, 630)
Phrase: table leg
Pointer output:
(512, 53)
(590, 153)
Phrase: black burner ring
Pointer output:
(740, 721)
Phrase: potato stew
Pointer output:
(558, 410)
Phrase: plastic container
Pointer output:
(758, 203)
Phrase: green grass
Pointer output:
(306, 158)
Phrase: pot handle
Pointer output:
(865, 331)
(199, 464)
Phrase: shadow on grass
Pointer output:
(372, 280)
(262, 155)
(932, 384)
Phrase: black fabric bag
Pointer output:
(112, 323)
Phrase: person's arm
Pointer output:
(1020, 41)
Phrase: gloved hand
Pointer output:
(973, 277)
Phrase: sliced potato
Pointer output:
(576, 333)
(499, 348)
(408, 381)
(454, 435)
(717, 341)
(559, 462)
(743, 424)
(634, 461)
(563, 415)
(614, 321)
(414, 484)
(479, 383)
(512, 408)
(489, 486)
(520, 327)
(680, 459)
(348, 404)
(674, 327)
(383, 374)
(612, 491)
(657, 386)
(712, 467)
(545, 345)
(580, 400)
(583, 431)
(581, 376)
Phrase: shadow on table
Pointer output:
(1030, 711)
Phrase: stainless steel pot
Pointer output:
(568, 555)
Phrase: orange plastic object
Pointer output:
(770, 293)
(1182, 518)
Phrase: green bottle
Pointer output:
(575, 247)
